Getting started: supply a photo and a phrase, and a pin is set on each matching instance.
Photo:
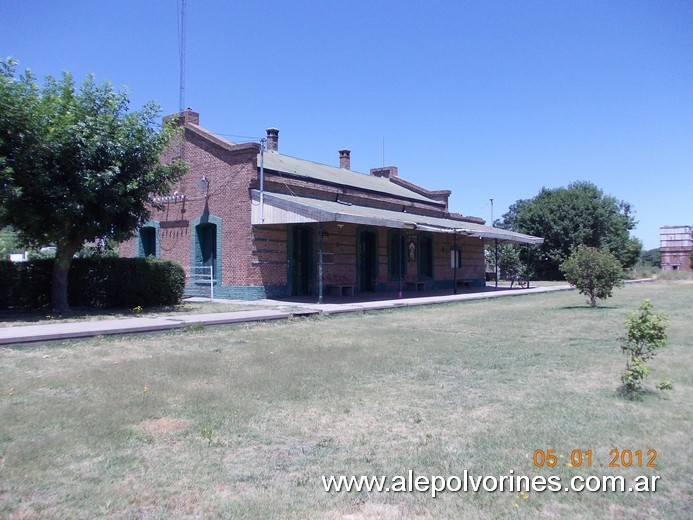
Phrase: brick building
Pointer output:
(270, 225)
(675, 246)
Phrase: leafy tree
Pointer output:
(99, 249)
(569, 217)
(593, 272)
(651, 257)
(512, 263)
(8, 242)
(645, 335)
(76, 165)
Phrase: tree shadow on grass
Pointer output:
(639, 394)
(588, 308)
(47, 316)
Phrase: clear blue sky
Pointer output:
(487, 99)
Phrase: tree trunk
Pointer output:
(61, 270)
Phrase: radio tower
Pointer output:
(181, 55)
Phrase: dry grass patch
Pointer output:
(165, 426)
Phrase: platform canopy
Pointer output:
(279, 208)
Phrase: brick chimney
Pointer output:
(345, 159)
(186, 116)
(385, 171)
(191, 117)
(272, 139)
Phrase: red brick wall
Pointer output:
(340, 255)
(229, 173)
(677, 259)
(269, 256)
(258, 255)
(306, 188)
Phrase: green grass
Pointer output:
(241, 422)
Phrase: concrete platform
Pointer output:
(266, 310)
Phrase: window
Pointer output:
(148, 241)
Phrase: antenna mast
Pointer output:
(181, 54)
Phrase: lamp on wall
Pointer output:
(411, 250)
(203, 183)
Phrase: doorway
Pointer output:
(425, 257)
(207, 241)
(368, 261)
(302, 261)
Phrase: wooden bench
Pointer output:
(415, 286)
(341, 290)
(465, 283)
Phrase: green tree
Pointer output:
(651, 257)
(593, 272)
(512, 262)
(569, 217)
(645, 335)
(8, 242)
(76, 165)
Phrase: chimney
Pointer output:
(345, 159)
(272, 139)
(385, 171)
(186, 116)
(191, 117)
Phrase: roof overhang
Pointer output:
(289, 209)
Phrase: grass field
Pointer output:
(242, 422)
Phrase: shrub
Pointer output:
(593, 272)
(645, 335)
(665, 384)
(25, 285)
(103, 282)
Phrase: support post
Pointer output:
(454, 260)
(400, 258)
(495, 264)
(320, 289)
(262, 180)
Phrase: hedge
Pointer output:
(107, 282)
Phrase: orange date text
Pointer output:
(617, 458)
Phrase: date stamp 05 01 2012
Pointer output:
(617, 458)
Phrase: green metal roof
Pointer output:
(340, 176)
